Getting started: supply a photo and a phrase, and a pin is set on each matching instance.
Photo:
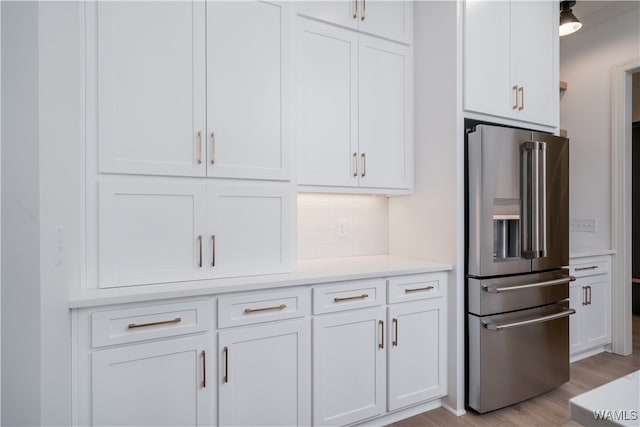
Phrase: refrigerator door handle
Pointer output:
(533, 188)
(494, 289)
(499, 326)
(542, 189)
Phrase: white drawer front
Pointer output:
(263, 307)
(348, 295)
(416, 287)
(150, 322)
(589, 267)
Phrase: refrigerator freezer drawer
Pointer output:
(516, 356)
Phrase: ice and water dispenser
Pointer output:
(506, 229)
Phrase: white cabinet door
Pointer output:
(349, 366)
(249, 229)
(264, 375)
(391, 19)
(534, 33)
(150, 232)
(327, 67)
(417, 352)
(248, 85)
(159, 383)
(149, 96)
(385, 106)
(576, 301)
(597, 314)
(486, 58)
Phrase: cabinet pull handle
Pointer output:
(355, 164)
(593, 267)
(213, 148)
(199, 147)
(355, 9)
(364, 164)
(340, 299)
(200, 256)
(226, 364)
(395, 328)
(426, 288)
(204, 369)
(364, 10)
(515, 94)
(213, 250)
(521, 90)
(162, 322)
(381, 323)
(589, 295)
(584, 295)
(255, 310)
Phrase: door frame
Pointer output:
(621, 86)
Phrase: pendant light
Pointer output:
(568, 22)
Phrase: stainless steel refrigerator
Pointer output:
(517, 231)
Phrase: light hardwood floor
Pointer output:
(549, 409)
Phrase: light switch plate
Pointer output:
(589, 225)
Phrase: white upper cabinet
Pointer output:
(248, 99)
(191, 88)
(511, 60)
(388, 19)
(355, 110)
(148, 60)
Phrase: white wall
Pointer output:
(426, 224)
(586, 58)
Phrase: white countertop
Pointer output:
(576, 252)
(308, 272)
(617, 403)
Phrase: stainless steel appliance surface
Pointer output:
(517, 230)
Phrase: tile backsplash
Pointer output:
(341, 225)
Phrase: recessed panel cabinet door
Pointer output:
(150, 232)
(392, 19)
(160, 383)
(327, 67)
(150, 93)
(248, 229)
(384, 114)
(264, 376)
(417, 349)
(248, 95)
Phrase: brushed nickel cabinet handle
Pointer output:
(381, 323)
(364, 9)
(355, 164)
(340, 299)
(225, 378)
(395, 328)
(589, 294)
(426, 288)
(162, 322)
(213, 250)
(199, 147)
(213, 148)
(256, 310)
(584, 295)
(204, 369)
(515, 94)
(521, 90)
(364, 164)
(355, 9)
(200, 256)
(593, 267)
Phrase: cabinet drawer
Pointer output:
(589, 267)
(264, 307)
(348, 295)
(417, 287)
(150, 321)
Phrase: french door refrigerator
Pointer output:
(517, 231)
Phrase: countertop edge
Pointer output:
(309, 272)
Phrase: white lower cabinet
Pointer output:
(264, 375)
(417, 352)
(589, 295)
(160, 383)
(349, 366)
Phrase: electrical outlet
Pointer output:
(583, 225)
(342, 231)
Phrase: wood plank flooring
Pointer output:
(549, 409)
